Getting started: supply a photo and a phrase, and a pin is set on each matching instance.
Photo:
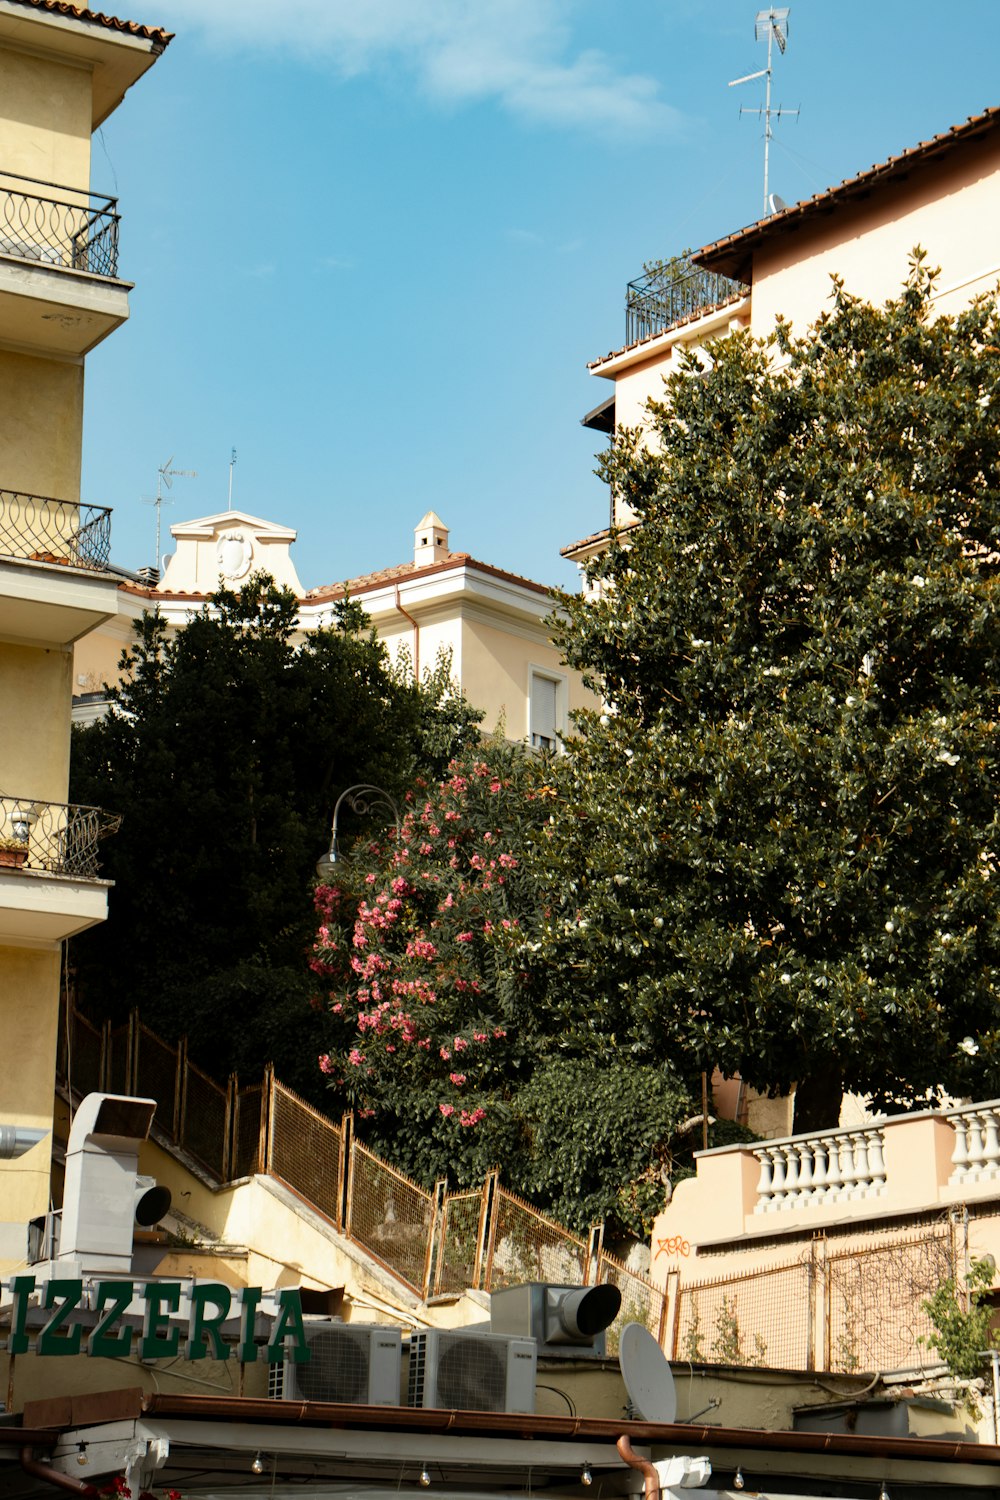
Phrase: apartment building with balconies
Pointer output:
(63, 70)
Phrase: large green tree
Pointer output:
(776, 851)
(225, 749)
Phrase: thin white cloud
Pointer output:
(519, 53)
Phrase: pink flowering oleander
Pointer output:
(325, 1065)
(355, 1058)
(463, 937)
(426, 849)
(479, 1036)
(472, 1116)
(508, 861)
(447, 1110)
(445, 1054)
(460, 1044)
(457, 1079)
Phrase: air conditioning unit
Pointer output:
(354, 1363)
(463, 1371)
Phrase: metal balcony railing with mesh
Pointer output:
(40, 529)
(658, 300)
(55, 837)
(58, 226)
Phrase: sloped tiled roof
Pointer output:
(733, 254)
(154, 34)
(650, 338)
(367, 582)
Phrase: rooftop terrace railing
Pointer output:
(40, 529)
(57, 838)
(58, 226)
(659, 299)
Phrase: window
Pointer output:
(546, 712)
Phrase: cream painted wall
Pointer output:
(951, 209)
(46, 115)
(40, 436)
(29, 1012)
(35, 699)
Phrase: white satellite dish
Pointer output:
(776, 204)
(648, 1377)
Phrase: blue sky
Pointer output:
(375, 242)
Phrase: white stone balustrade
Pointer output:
(807, 1171)
(976, 1157)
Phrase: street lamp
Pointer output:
(362, 799)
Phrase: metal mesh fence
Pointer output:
(764, 1319)
(82, 1058)
(391, 1216)
(526, 1246)
(157, 1077)
(204, 1122)
(119, 1061)
(458, 1246)
(247, 1106)
(874, 1300)
(305, 1151)
(642, 1302)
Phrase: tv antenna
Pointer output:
(232, 461)
(165, 475)
(772, 24)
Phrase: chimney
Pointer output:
(430, 541)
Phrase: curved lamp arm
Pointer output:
(361, 798)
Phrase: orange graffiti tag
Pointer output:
(675, 1245)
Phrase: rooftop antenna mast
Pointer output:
(772, 24)
(232, 461)
(165, 476)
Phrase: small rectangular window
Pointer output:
(544, 706)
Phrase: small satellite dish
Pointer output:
(775, 204)
(648, 1377)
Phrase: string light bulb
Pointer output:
(257, 1467)
(81, 1457)
(586, 1477)
(883, 1493)
(739, 1481)
(425, 1477)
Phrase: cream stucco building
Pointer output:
(492, 625)
(62, 72)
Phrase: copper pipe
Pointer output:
(625, 1452)
(54, 1477)
(416, 636)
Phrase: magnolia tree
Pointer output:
(777, 850)
(439, 1033)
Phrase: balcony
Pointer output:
(49, 882)
(890, 1167)
(55, 586)
(59, 286)
(669, 293)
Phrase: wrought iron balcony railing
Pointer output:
(54, 531)
(58, 226)
(55, 837)
(658, 300)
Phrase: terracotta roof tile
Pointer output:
(733, 254)
(367, 582)
(154, 34)
(691, 317)
(596, 536)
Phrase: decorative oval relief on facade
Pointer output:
(234, 554)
